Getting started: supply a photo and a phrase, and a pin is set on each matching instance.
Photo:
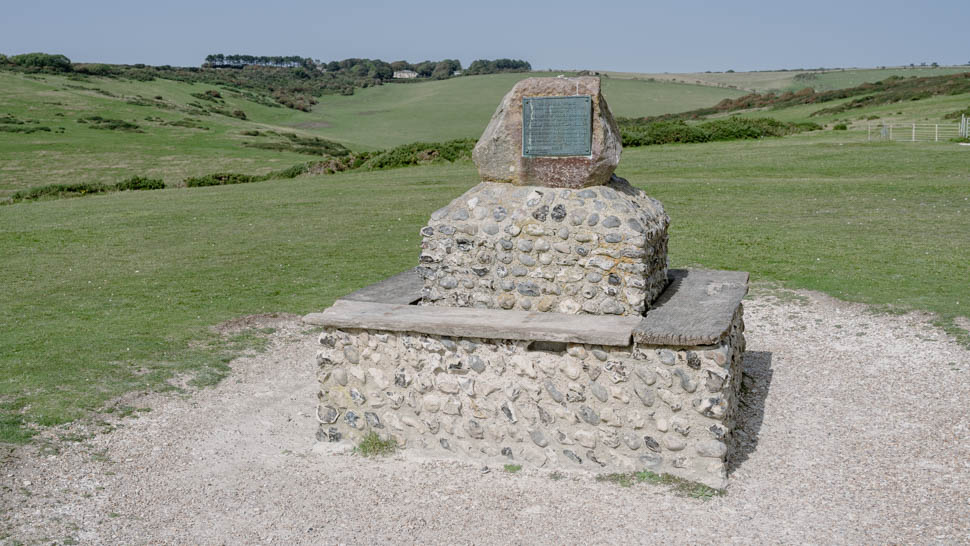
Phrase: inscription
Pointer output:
(557, 126)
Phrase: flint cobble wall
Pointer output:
(598, 250)
(574, 406)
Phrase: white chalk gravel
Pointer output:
(856, 430)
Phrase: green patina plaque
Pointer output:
(557, 126)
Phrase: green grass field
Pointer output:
(784, 80)
(107, 294)
(373, 118)
(114, 293)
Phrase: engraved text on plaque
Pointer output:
(556, 126)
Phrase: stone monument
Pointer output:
(542, 325)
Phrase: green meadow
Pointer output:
(109, 294)
(373, 118)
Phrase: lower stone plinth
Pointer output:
(545, 397)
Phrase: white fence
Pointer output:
(918, 132)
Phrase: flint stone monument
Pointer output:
(542, 325)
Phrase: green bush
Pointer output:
(840, 127)
(646, 132)
(59, 190)
(23, 128)
(661, 132)
(221, 179)
(58, 63)
(421, 152)
(98, 122)
(140, 183)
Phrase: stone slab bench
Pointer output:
(696, 308)
(571, 392)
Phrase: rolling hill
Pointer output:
(791, 80)
(174, 134)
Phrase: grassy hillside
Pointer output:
(787, 80)
(201, 142)
(83, 153)
(116, 291)
(461, 107)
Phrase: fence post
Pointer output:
(890, 132)
(868, 131)
(914, 132)
(937, 133)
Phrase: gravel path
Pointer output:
(857, 432)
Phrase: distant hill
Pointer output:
(792, 80)
(76, 127)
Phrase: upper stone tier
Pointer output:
(600, 251)
(516, 148)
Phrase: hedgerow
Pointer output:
(641, 132)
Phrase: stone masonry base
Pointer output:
(550, 404)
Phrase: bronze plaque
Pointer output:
(557, 126)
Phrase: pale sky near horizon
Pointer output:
(631, 36)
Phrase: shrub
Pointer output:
(372, 444)
(59, 190)
(239, 114)
(102, 70)
(421, 152)
(57, 63)
(958, 114)
(23, 129)
(221, 179)
(98, 122)
(644, 132)
(140, 183)
(840, 127)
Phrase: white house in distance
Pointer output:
(405, 74)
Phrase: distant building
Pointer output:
(405, 74)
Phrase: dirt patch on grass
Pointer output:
(251, 322)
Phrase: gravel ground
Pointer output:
(856, 431)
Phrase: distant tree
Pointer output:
(444, 69)
(3, 59)
(42, 60)
(484, 66)
(425, 69)
(935, 64)
(401, 65)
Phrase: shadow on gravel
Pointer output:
(755, 381)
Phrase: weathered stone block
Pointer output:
(499, 156)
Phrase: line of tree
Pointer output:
(218, 60)
(485, 66)
(436, 70)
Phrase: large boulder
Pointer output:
(499, 156)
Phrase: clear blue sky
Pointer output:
(644, 36)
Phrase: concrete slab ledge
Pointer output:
(477, 323)
(695, 309)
